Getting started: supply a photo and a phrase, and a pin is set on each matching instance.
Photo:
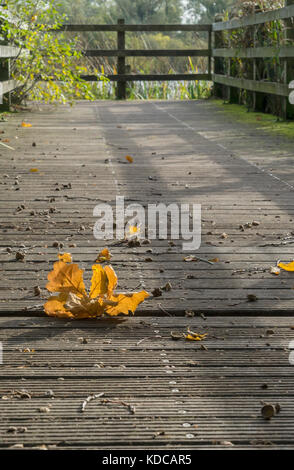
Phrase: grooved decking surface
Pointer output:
(185, 394)
(182, 394)
(184, 152)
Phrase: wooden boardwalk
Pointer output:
(158, 392)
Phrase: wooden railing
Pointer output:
(6, 84)
(226, 54)
(220, 55)
(122, 77)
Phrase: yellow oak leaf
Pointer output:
(71, 306)
(287, 267)
(66, 278)
(65, 257)
(34, 170)
(73, 300)
(129, 158)
(83, 307)
(104, 255)
(26, 124)
(54, 307)
(112, 279)
(126, 303)
(99, 282)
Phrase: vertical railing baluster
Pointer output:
(121, 63)
(210, 51)
(5, 100)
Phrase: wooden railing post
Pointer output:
(4, 75)
(289, 64)
(219, 61)
(121, 63)
(210, 51)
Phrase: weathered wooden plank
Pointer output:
(158, 387)
(255, 52)
(201, 430)
(8, 51)
(134, 27)
(150, 77)
(8, 85)
(153, 408)
(258, 18)
(159, 322)
(252, 85)
(128, 359)
(148, 53)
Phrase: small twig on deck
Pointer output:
(7, 146)
(90, 398)
(130, 407)
(163, 310)
(204, 260)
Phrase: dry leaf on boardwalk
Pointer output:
(193, 336)
(73, 301)
(275, 270)
(103, 256)
(189, 259)
(132, 231)
(65, 257)
(287, 267)
(26, 124)
(129, 158)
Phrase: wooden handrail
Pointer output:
(255, 52)
(122, 77)
(133, 27)
(255, 19)
(8, 51)
(147, 53)
(150, 77)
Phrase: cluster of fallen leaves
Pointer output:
(73, 301)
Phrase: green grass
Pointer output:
(160, 90)
(183, 90)
(267, 122)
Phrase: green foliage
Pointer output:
(133, 11)
(160, 90)
(49, 64)
(149, 11)
(204, 11)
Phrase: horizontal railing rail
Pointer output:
(148, 53)
(271, 88)
(255, 52)
(150, 77)
(122, 27)
(255, 19)
(6, 84)
(8, 52)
